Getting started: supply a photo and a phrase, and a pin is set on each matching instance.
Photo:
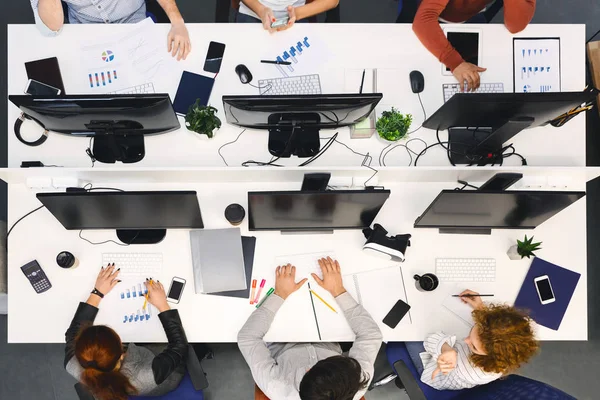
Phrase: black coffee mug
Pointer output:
(65, 259)
(426, 282)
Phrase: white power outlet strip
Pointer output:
(65, 182)
(39, 182)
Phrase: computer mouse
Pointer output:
(417, 82)
(244, 73)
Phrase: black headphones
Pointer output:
(18, 124)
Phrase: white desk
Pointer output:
(45, 317)
(388, 47)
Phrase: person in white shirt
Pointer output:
(49, 17)
(267, 11)
(500, 341)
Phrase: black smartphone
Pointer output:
(214, 57)
(46, 71)
(36, 88)
(393, 318)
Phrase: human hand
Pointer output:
(467, 72)
(285, 281)
(292, 19)
(332, 276)
(156, 295)
(267, 17)
(446, 362)
(474, 302)
(178, 40)
(107, 279)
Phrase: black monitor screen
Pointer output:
(509, 209)
(319, 111)
(87, 115)
(338, 209)
(124, 210)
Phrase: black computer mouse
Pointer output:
(417, 82)
(244, 73)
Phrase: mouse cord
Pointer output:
(22, 218)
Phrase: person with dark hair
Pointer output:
(501, 339)
(310, 371)
(95, 355)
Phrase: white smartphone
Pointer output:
(544, 289)
(176, 290)
(468, 43)
(280, 22)
(40, 89)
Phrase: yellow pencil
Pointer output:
(146, 298)
(324, 302)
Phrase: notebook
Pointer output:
(563, 283)
(248, 246)
(191, 87)
(217, 260)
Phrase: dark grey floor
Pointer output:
(34, 371)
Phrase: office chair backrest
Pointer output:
(514, 387)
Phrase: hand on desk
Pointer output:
(474, 302)
(178, 40)
(446, 362)
(467, 72)
(285, 281)
(332, 276)
(156, 295)
(107, 279)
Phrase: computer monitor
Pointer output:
(294, 121)
(303, 211)
(479, 124)
(138, 217)
(117, 122)
(478, 212)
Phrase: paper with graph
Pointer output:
(536, 65)
(307, 54)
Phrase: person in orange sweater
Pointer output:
(426, 25)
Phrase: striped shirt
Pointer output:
(464, 376)
(96, 11)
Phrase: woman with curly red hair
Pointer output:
(501, 340)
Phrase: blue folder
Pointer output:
(563, 283)
(191, 87)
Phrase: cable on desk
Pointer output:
(107, 241)
(227, 144)
(22, 218)
(409, 151)
(88, 151)
(273, 159)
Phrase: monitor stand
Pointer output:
(288, 136)
(481, 145)
(141, 236)
(117, 141)
(465, 231)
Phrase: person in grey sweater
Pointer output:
(95, 356)
(310, 371)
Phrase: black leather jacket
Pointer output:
(174, 356)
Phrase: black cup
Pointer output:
(234, 213)
(426, 282)
(65, 259)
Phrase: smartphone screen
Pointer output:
(40, 89)
(545, 289)
(176, 289)
(46, 71)
(393, 318)
(467, 45)
(214, 57)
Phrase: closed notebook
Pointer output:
(248, 245)
(217, 260)
(191, 87)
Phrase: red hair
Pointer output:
(98, 350)
(507, 337)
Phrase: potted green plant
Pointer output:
(202, 119)
(523, 249)
(392, 125)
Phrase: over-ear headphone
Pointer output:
(18, 124)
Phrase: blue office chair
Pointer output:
(153, 10)
(407, 9)
(514, 387)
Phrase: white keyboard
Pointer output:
(145, 265)
(139, 89)
(450, 89)
(305, 84)
(465, 269)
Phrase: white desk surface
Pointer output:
(397, 52)
(206, 318)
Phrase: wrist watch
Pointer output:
(97, 293)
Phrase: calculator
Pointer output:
(36, 276)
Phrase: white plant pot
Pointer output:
(513, 254)
(202, 135)
(386, 142)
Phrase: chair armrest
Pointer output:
(411, 386)
(195, 370)
(82, 392)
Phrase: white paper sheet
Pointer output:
(458, 308)
(307, 53)
(537, 65)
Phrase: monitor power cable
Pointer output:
(22, 218)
